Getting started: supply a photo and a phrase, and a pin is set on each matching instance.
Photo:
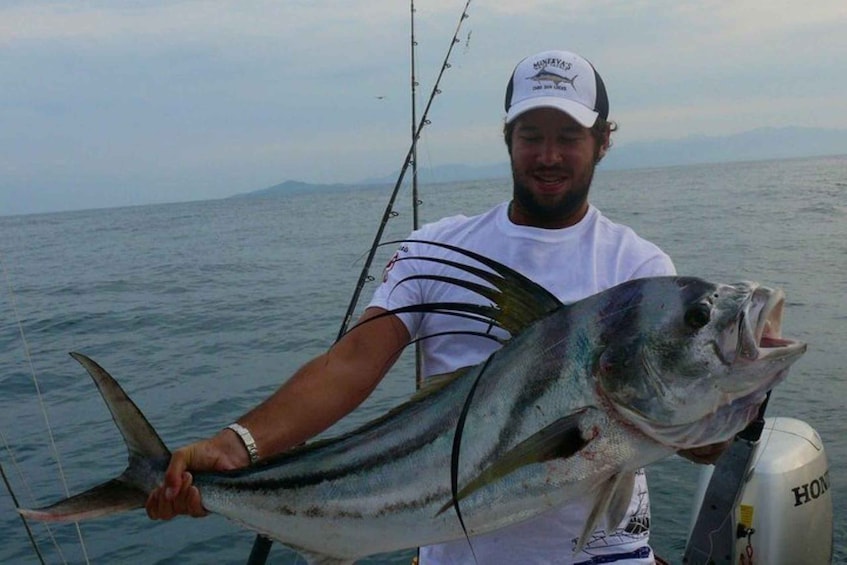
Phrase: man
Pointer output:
(556, 132)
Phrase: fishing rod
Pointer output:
(17, 505)
(415, 200)
(389, 209)
(262, 545)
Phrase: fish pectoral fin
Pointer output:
(621, 497)
(613, 502)
(108, 498)
(561, 439)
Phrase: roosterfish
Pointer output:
(579, 397)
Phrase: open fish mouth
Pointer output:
(759, 329)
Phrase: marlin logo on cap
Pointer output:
(548, 80)
(550, 76)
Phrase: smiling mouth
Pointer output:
(550, 180)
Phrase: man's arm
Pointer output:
(319, 394)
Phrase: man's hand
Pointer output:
(706, 455)
(320, 393)
(177, 495)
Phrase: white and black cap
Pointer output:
(561, 80)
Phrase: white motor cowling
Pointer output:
(785, 511)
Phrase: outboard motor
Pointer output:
(784, 513)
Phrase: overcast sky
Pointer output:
(111, 103)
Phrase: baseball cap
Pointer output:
(557, 79)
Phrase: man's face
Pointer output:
(553, 160)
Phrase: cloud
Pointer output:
(219, 96)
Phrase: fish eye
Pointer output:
(698, 316)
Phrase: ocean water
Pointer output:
(202, 309)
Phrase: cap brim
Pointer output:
(585, 116)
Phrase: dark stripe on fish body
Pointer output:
(559, 345)
(252, 481)
(317, 512)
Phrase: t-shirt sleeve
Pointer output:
(657, 265)
(397, 290)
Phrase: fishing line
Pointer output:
(42, 406)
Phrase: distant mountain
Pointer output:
(449, 173)
(292, 187)
(755, 145)
(433, 175)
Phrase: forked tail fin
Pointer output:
(148, 457)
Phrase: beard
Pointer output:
(558, 210)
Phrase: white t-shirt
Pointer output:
(571, 263)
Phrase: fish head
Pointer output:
(688, 362)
